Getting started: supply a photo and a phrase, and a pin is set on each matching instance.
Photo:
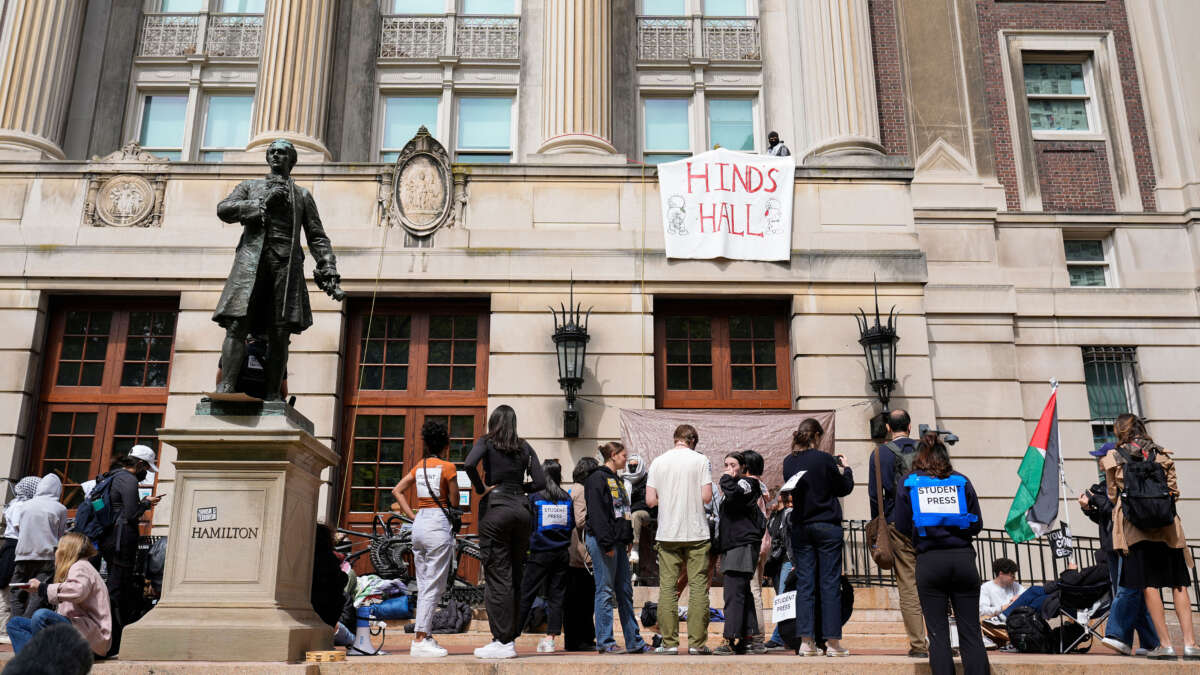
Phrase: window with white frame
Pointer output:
(402, 117)
(663, 7)
(226, 125)
(162, 124)
(484, 133)
(666, 130)
(489, 6)
(415, 7)
(726, 8)
(731, 123)
(1087, 262)
(1059, 93)
(1110, 374)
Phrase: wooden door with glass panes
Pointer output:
(104, 388)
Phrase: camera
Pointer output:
(948, 437)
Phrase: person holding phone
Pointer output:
(817, 536)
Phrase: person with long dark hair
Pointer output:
(754, 468)
(1152, 558)
(739, 538)
(553, 520)
(817, 537)
(579, 628)
(505, 523)
(436, 483)
(938, 510)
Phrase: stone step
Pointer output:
(872, 597)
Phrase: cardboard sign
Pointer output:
(785, 607)
(554, 514)
(726, 204)
(938, 499)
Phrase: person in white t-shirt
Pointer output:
(680, 484)
(994, 597)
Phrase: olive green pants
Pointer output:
(674, 557)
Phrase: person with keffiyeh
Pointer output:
(22, 492)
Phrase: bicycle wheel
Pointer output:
(390, 558)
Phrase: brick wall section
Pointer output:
(1074, 176)
(885, 41)
(1110, 15)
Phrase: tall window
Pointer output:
(717, 355)
(1059, 95)
(488, 6)
(162, 124)
(406, 364)
(105, 387)
(731, 124)
(1110, 374)
(402, 116)
(226, 126)
(725, 8)
(1087, 262)
(667, 135)
(484, 129)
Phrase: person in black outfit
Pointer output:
(817, 537)
(549, 559)
(739, 537)
(328, 594)
(579, 627)
(946, 570)
(118, 545)
(505, 523)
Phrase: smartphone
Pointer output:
(22, 584)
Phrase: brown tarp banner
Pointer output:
(769, 432)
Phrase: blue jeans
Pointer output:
(22, 630)
(784, 570)
(817, 551)
(1034, 596)
(1129, 611)
(612, 579)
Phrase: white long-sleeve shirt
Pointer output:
(993, 597)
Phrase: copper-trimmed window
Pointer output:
(721, 355)
(104, 386)
(407, 363)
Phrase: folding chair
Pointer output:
(1086, 606)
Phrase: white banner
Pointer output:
(727, 204)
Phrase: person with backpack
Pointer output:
(118, 543)
(741, 528)
(436, 482)
(41, 522)
(938, 510)
(1147, 532)
(549, 559)
(505, 523)
(609, 535)
(896, 457)
(579, 628)
(817, 539)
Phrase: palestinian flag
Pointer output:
(1035, 507)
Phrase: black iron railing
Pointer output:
(1034, 558)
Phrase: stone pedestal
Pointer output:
(239, 560)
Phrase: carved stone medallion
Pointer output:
(124, 200)
(421, 186)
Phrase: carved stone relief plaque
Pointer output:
(125, 190)
(422, 187)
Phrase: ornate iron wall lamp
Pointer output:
(570, 342)
(879, 348)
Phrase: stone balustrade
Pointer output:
(429, 37)
(672, 38)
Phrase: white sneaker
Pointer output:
(427, 649)
(4, 639)
(1116, 645)
(496, 650)
(546, 646)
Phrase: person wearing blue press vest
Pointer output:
(939, 510)
(549, 557)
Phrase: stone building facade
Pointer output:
(1022, 180)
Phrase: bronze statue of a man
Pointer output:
(265, 294)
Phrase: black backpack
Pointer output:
(1028, 631)
(95, 515)
(903, 465)
(1145, 500)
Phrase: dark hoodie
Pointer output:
(607, 509)
(742, 522)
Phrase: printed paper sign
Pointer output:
(464, 481)
(206, 514)
(464, 498)
(792, 482)
(938, 499)
(726, 204)
(429, 482)
(554, 514)
(785, 607)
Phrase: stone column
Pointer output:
(577, 78)
(293, 75)
(840, 111)
(38, 49)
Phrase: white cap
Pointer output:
(144, 453)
